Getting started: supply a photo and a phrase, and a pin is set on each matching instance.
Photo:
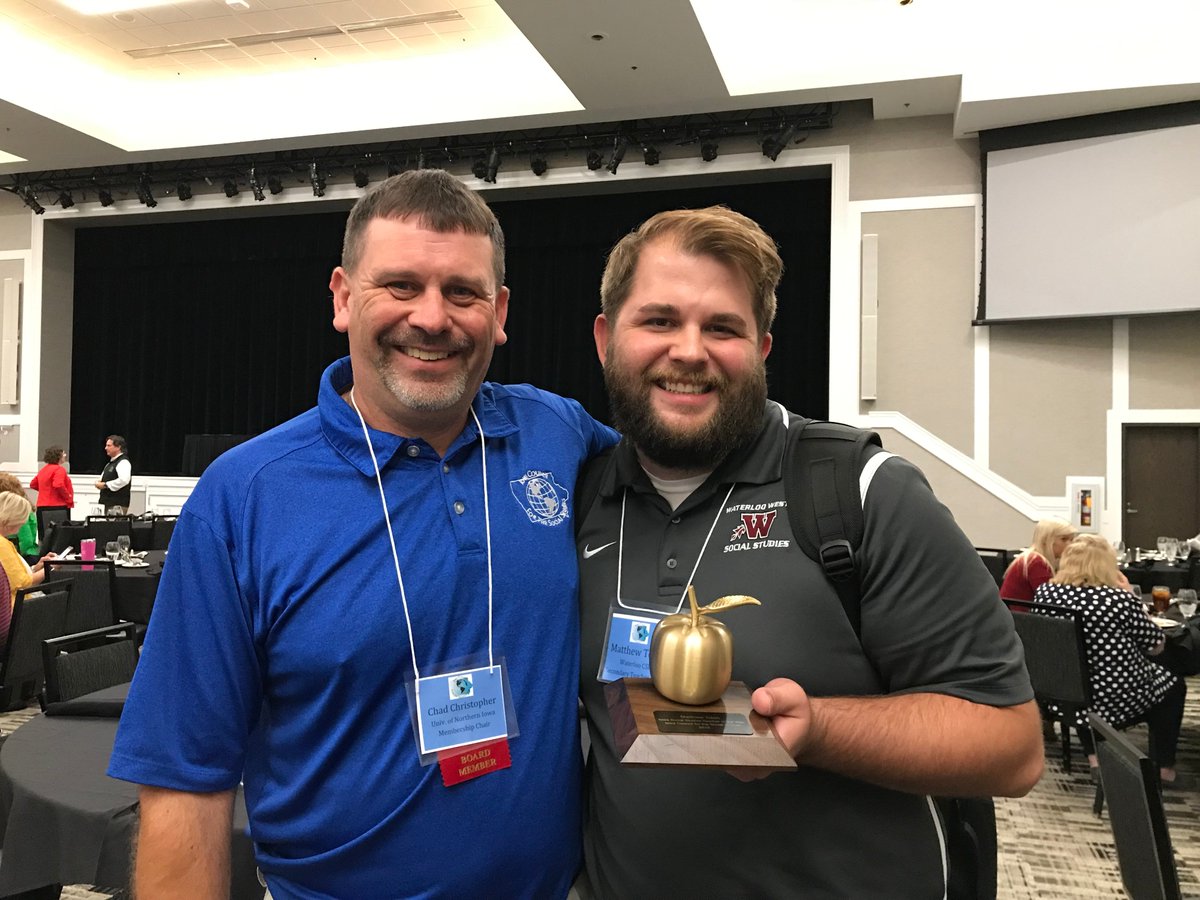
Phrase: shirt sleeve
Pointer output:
(1039, 571)
(124, 476)
(196, 694)
(932, 618)
(67, 487)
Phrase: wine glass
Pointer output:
(1186, 598)
(1162, 547)
(123, 546)
(111, 550)
(1122, 553)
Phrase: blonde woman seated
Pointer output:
(1038, 564)
(1127, 687)
(14, 510)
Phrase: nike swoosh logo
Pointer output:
(588, 553)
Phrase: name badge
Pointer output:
(627, 646)
(459, 708)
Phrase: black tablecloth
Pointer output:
(135, 589)
(1146, 574)
(68, 822)
(69, 534)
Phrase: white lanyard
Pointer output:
(487, 525)
(621, 554)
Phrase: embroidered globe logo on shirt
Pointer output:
(543, 499)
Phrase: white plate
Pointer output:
(134, 565)
(1164, 623)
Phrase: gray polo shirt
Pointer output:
(932, 621)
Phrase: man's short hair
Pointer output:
(436, 200)
(118, 441)
(716, 231)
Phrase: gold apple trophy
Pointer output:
(689, 713)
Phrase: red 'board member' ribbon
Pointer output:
(464, 763)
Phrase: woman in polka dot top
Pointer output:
(1127, 686)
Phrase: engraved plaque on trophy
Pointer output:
(689, 713)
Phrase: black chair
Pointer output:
(163, 528)
(39, 613)
(1056, 660)
(94, 586)
(105, 529)
(1135, 810)
(47, 516)
(75, 664)
(996, 561)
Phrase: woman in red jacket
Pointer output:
(52, 482)
(1038, 564)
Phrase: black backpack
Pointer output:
(823, 461)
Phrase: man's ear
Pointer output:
(339, 285)
(501, 315)
(600, 334)
(766, 345)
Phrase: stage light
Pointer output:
(650, 154)
(774, 145)
(361, 177)
(537, 164)
(317, 178)
(65, 200)
(30, 199)
(708, 151)
(274, 185)
(493, 166)
(620, 145)
(231, 188)
(256, 187)
(479, 168)
(143, 191)
(594, 160)
(183, 190)
(106, 199)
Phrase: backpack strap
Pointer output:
(822, 462)
(587, 485)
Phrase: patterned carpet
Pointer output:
(1051, 846)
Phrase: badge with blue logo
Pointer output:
(459, 708)
(543, 499)
(627, 647)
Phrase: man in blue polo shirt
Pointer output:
(369, 613)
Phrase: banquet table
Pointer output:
(135, 588)
(66, 822)
(1182, 651)
(1147, 573)
(69, 534)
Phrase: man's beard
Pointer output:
(427, 396)
(734, 423)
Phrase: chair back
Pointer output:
(39, 613)
(105, 529)
(161, 530)
(94, 584)
(48, 516)
(77, 664)
(996, 561)
(1135, 811)
(1054, 653)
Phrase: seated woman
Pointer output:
(1038, 564)
(1127, 687)
(27, 533)
(14, 511)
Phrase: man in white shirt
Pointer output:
(114, 481)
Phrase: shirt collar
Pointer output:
(341, 427)
(758, 462)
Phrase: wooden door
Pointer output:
(1161, 483)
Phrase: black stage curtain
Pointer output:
(224, 326)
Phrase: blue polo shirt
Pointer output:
(278, 649)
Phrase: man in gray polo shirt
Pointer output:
(934, 698)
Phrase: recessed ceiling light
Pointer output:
(104, 7)
(237, 4)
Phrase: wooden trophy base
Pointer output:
(650, 730)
